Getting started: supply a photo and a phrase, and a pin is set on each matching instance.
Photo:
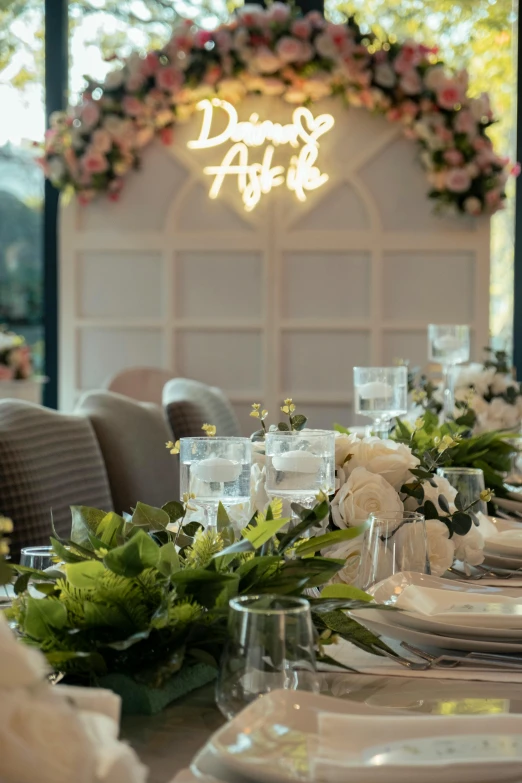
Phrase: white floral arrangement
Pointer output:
(493, 394)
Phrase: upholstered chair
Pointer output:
(190, 404)
(132, 437)
(144, 384)
(48, 462)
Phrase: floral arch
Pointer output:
(278, 52)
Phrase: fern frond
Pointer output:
(277, 508)
(207, 543)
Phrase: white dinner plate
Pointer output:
(501, 561)
(392, 587)
(290, 736)
(509, 505)
(385, 627)
(507, 542)
(452, 630)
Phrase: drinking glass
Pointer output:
(215, 470)
(381, 393)
(270, 646)
(394, 542)
(448, 345)
(469, 483)
(299, 465)
(37, 557)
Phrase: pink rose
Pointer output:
(444, 134)
(290, 50)
(150, 64)
(101, 140)
(409, 56)
(133, 106)
(169, 79)
(434, 77)
(94, 162)
(454, 157)
(301, 28)
(251, 15)
(325, 46)
(316, 19)
(465, 123)
(266, 61)
(448, 94)
(90, 114)
(411, 82)
(202, 37)
(278, 12)
(458, 180)
(223, 41)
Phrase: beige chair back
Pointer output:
(190, 404)
(144, 384)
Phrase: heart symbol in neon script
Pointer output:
(310, 127)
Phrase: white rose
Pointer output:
(469, 548)
(344, 445)
(325, 46)
(502, 383)
(393, 461)
(363, 494)
(350, 551)
(432, 493)
(441, 549)
(385, 75)
(476, 376)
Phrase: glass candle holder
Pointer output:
(381, 393)
(215, 470)
(299, 465)
(448, 345)
(37, 557)
(469, 483)
(270, 647)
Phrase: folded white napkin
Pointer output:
(56, 734)
(366, 663)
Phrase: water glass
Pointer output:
(299, 465)
(215, 470)
(270, 647)
(37, 557)
(381, 393)
(448, 345)
(394, 542)
(469, 483)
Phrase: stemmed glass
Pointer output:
(448, 345)
(395, 541)
(271, 646)
(469, 483)
(299, 465)
(381, 393)
(37, 557)
(215, 470)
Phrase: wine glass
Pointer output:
(448, 345)
(469, 483)
(394, 541)
(270, 647)
(215, 470)
(299, 465)
(381, 393)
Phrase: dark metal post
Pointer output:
(56, 84)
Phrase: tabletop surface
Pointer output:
(167, 742)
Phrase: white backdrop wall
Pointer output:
(280, 301)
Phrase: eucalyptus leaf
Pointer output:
(168, 561)
(85, 574)
(85, 520)
(461, 523)
(443, 503)
(150, 517)
(64, 553)
(139, 553)
(174, 509)
(42, 616)
(345, 591)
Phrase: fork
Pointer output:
(504, 662)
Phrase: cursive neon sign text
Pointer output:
(255, 179)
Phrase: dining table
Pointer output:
(168, 741)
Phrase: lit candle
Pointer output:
(374, 390)
(448, 342)
(297, 462)
(217, 469)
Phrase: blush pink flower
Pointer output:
(411, 83)
(202, 37)
(223, 41)
(301, 28)
(409, 56)
(133, 106)
(465, 123)
(169, 79)
(458, 180)
(316, 19)
(454, 157)
(101, 140)
(290, 50)
(449, 94)
(278, 12)
(94, 162)
(150, 64)
(265, 61)
(90, 114)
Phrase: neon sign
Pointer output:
(255, 179)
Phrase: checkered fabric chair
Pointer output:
(48, 462)
(190, 404)
(132, 438)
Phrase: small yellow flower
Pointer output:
(288, 406)
(321, 496)
(173, 447)
(256, 405)
(418, 395)
(6, 525)
(4, 548)
(210, 429)
(486, 495)
(264, 414)
(419, 424)
(101, 552)
(187, 497)
(255, 414)
(447, 442)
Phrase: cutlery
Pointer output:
(446, 661)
